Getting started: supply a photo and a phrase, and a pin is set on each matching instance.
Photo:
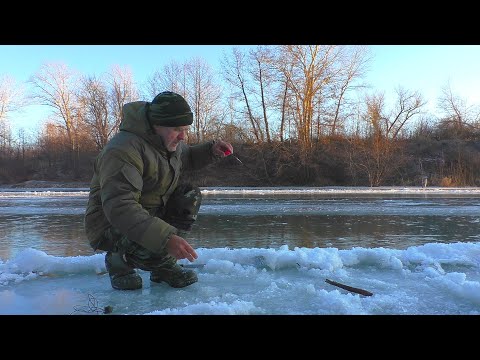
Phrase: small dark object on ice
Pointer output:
(349, 288)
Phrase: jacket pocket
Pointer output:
(132, 175)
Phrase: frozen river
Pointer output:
(262, 218)
(361, 236)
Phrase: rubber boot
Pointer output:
(181, 212)
(122, 275)
(174, 275)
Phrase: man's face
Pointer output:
(171, 135)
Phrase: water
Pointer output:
(53, 221)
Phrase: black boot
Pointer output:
(174, 275)
(122, 275)
(181, 211)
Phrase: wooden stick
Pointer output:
(349, 288)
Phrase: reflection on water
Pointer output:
(342, 232)
(61, 235)
(55, 224)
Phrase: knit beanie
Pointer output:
(170, 109)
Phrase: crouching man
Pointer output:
(137, 212)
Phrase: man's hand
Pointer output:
(179, 248)
(222, 148)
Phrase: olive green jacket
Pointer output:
(134, 175)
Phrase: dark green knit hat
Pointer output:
(170, 109)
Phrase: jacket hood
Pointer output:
(135, 118)
(135, 121)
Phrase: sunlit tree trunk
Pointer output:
(308, 69)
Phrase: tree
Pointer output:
(121, 90)
(458, 119)
(352, 66)
(234, 71)
(203, 96)
(379, 154)
(55, 85)
(11, 99)
(94, 99)
(308, 69)
(409, 104)
(263, 73)
(171, 78)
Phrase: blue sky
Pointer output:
(426, 68)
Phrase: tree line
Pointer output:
(298, 114)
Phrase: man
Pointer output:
(136, 211)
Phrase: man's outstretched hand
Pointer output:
(179, 248)
(222, 148)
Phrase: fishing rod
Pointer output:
(229, 153)
(250, 171)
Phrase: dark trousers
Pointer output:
(180, 211)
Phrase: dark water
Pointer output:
(54, 224)
(336, 221)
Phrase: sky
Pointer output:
(426, 68)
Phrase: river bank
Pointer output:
(45, 184)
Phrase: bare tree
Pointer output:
(51, 146)
(234, 72)
(263, 73)
(11, 96)
(171, 78)
(12, 99)
(231, 130)
(308, 68)
(283, 102)
(454, 107)
(152, 86)
(94, 100)
(458, 117)
(409, 104)
(204, 97)
(379, 154)
(352, 66)
(372, 155)
(122, 90)
(6, 140)
(55, 85)
(282, 92)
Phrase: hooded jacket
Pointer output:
(134, 176)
